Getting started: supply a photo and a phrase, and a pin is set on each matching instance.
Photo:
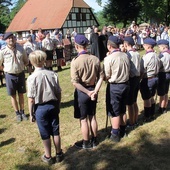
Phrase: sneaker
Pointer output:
(94, 142)
(24, 117)
(49, 161)
(59, 157)
(136, 125)
(129, 128)
(146, 120)
(18, 118)
(83, 145)
(123, 133)
(115, 138)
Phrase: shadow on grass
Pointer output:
(33, 162)
(3, 116)
(31, 167)
(67, 104)
(2, 130)
(63, 69)
(7, 142)
(142, 154)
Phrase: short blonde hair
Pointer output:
(37, 58)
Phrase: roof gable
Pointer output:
(43, 13)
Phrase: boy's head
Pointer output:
(37, 58)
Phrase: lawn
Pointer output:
(147, 147)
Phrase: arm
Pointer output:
(83, 89)
(31, 103)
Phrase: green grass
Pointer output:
(147, 147)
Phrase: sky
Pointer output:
(91, 3)
(94, 5)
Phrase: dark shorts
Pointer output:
(59, 53)
(167, 83)
(47, 119)
(116, 99)
(133, 92)
(161, 84)
(49, 55)
(15, 83)
(148, 87)
(83, 105)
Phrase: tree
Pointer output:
(123, 11)
(17, 7)
(4, 14)
(139, 10)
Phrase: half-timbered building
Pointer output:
(52, 14)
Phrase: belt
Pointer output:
(14, 74)
(89, 86)
(127, 82)
(151, 77)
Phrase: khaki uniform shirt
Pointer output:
(165, 62)
(86, 70)
(150, 64)
(43, 86)
(117, 67)
(48, 44)
(14, 61)
(134, 63)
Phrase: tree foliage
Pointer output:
(7, 14)
(4, 14)
(17, 7)
(139, 10)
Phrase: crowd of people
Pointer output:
(124, 71)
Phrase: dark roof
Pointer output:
(45, 14)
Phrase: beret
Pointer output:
(165, 42)
(81, 40)
(114, 39)
(149, 41)
(7, 34)
(129, 40)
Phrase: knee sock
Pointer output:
(17, 112)
(115, 131)
(152, 112)
(22, 111)
(147, 111)
(122, 130)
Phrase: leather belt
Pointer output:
(14, 74)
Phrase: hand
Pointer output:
(32, 119)
(94, 96)
(90, 93)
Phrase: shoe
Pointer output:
(136, 125)
(94, 142)
(164, 110)
(59, 157)
(123, 133)
(83, 145)
(24, 117)
(49, 161)
(18, 118)
(129, 128)
(115, 138)
(146, 120)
